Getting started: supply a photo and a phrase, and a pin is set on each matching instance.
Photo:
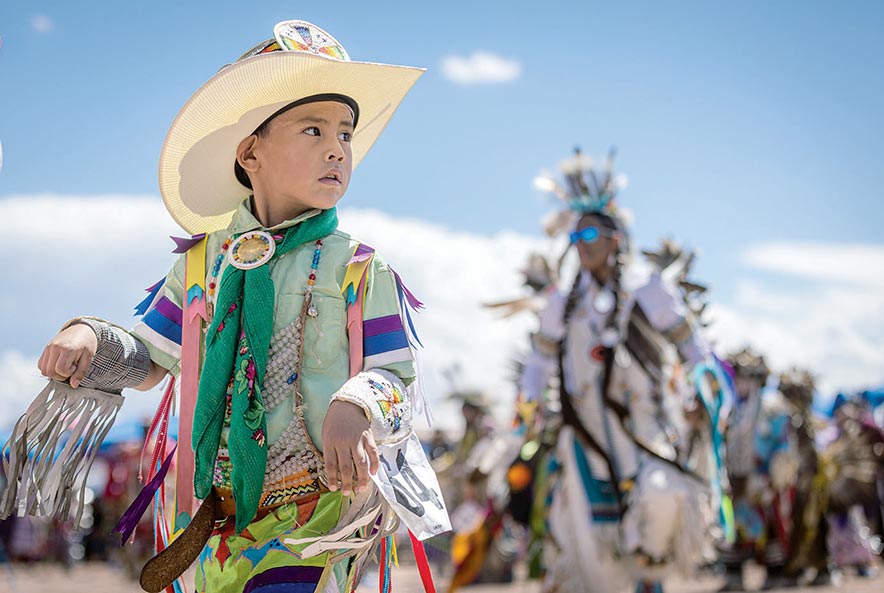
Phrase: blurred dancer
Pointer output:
(622, 509)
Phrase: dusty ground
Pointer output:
(103, 578)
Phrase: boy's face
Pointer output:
(303, 158)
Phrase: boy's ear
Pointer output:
(245, 154)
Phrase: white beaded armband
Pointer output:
(386, 403)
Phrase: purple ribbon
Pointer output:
(412, 300)
(184, 244)
(129, 520)
(141, 308)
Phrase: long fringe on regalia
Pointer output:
(43, 480)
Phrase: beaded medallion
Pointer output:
(307, 37)
(251, 250)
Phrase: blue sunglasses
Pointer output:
(589, 234)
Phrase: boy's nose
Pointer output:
(335, 153)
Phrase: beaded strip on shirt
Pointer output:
(212, 284)
(294, 465)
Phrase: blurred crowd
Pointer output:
(113, 484)
(806, 488)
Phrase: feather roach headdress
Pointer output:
(674, 263)
(748, 363)
(538, 276)
(585, 188)
(798, 386)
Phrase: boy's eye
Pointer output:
(312, 131)
(345, 136)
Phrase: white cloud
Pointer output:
(21, 382)
(856, 264)
(42, 23)
(97, 254)
(480, 68)
(830, 318)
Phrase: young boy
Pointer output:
(287, 335)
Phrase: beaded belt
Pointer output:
(292, 489)
(292, 472)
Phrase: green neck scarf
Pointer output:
(237, 345)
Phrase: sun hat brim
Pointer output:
(196, 173)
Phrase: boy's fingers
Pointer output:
(345, 461)
(66, 363)
(371, 449)
(83, 366)
(331, 468)
(41, 363)
(50, 363)
(361, 467)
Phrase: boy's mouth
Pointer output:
(332, 177)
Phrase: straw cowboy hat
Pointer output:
(196, 171)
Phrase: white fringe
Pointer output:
(43, 481)
(352, 536)
(419, 394)
(344, 540)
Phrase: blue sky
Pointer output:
(738, 124)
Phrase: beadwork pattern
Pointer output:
(216, 268)
(304, 36)
(283, 362)
(251, 250)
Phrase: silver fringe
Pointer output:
(43, 481)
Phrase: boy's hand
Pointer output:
(69, 354)
(348, 445)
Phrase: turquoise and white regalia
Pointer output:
(623, 506)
